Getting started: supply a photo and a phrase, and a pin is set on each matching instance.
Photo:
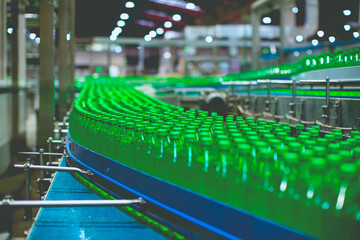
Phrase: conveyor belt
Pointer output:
(84, 222)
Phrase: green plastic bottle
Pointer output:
(238, 176)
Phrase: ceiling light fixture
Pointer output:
(152, 33)
(299, 38)
(266, 20)
(124, 16)
(176, 17)
(346, 12)
(147, 38)
(332, 39)
(295, 10)
(320, 33)
(168, 24)
(160, 31)
(190, 6)
(129, 4)
(121, 23)
(209, 39)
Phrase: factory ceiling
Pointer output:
(136, 18)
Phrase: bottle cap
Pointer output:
(222, 137)
(333, 159)
(322, 141)
(268, 137)
(317, 164)
(344, 145)
(330, 137)
(345, 156)
(349, 170)
(291, 158)
(149, 129)
(265, 154)
(300, 127)
(139, 127)
(355, 133)
(190, 138)
(319, 151)
(206, 141)
(295, 146)
(306, 155)
(162, 132)
(356, 152)
(244, 148)
(224, 144)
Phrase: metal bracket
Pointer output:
(338, 110)
(8, 202)
(267, 101)
(28, 166)
(303, 109)
(248, 99)
(326, 108)
(292, 104)
(51, 141)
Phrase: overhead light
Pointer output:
(118, 30)
(124, 16)
(190, 6)
(295, 10)
(30, 15)
(37, 40)
(118, 49)
(296, 53)
(299, 38)
(152, 33)
(320, 33)
(121, 23)
(168, 24)
(176, 17)
(167, 55)
(113, 37)
(32, 36)
(356, 34)
(10, 30)
(331, 39)
(147, 38)
(160, 31)
(346, 12)
(347, 27)
(266, 20)
(314, 42)
(68, 37)
(209, 39)
(129, 4)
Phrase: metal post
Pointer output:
(141, 63)
(14, 23)
(28, 210)
(46, 111)
(50, 140)
(255, 52)
(41, 160)
(63, 55)
(72, 47)
(292, 104)
(3, 44)
(108, 58)
(326, 107)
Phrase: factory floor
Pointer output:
(13, 183)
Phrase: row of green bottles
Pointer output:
(338, 58)
(294, 176)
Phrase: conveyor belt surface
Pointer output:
(84, 222)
